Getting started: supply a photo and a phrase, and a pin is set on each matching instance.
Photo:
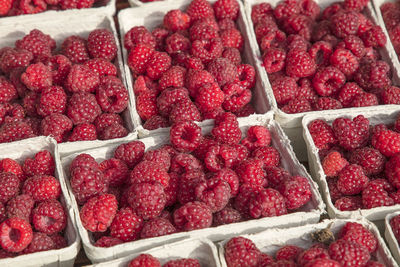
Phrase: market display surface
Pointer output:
(166, 143)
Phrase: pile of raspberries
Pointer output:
(354, 246)
(361, 162)
(21, 7)
(196, 182)
(148, 260)
(391, 16)
(71, 94)
(31, 214)
(190, 67)
(323, 60)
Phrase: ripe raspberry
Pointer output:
(98, 212)
(327, 103)
(184, 111)
(195, 79)
(345, 23)
(328, 81)
(107, 241)
(250, 171)
(42, 187)
(285, 89)
(260, 11)
(192, 216)
(370, 159)
(230, 177)
(267, 203)
(274, 59)
(232, 38)
(86, 183)
(226, 129)
(40, 242)
(7, 90)
(296, 191)
(348, 93)
(157, 227)
(299, 63)
(391, 95)
(240, 251)
(395, 225)
(139, 58)
(41, 164)
(176, 20)
(392, 168)
(5, 7)
(101, 44)
(83, 132)
(159, 156)
(169, 97)
(171, 190)
(101, 67)
(351, 134)
(355, 232)
(138, 35)
(199, 9)
(148, 171)
(177, 44)
(83, 160)
(349, 203)
(373, 75)
(322, 134)
(144, 260)
(288, 252)
(226, 216)
(83, 108)
(52, 100)
(236, 97)
(12, 166)
(185, 136)
(354, 44)
(37, 77)
(387, 142)
(246, 193)
(355, 5)
(174, 77)
(187, 185)
(374, 37)
(348, 253)
(115, 171)
(315, 252)
(257, 136)
(156, 122)
(333, 163)
(112, 97)
(344, 61)
(352, 180)
(220, 156)
(9, 186)
(82, 79)
(159, 62)
(223, 71)
(286, 9)
(21, 207)
(183, 262)
(12, 59)
(209, 97)
(49, 217)
(70, 4)
(226, 9)
(233, 55)
(126, 225)
(215, 193)
(268, 155)
(59, 241)
(74, 48)
(56, 125)
(38, 43)
(146, 105)
(16, 234)
(14, 131)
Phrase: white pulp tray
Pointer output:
(271, 240)
(310, 213)
(151, 16)
(375, 116)
(201, 249)
(19, 151)
(390, 238)
(291, 123)
(60, 28)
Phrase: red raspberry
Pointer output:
(52, 100)
(297, 105)
(70, 4)
(41, 164)
(171, 190)
(112, 97)
(175, 44)
(83, 132)
(355, 232)
(42, 187)
(226, 23)
(352, 180)
(349, 203)
(299, 63)
(107, 241)
(267, 203)
(126, 225)
(351, 134)
(102, 67)
(159, 62)
(37, 77)
(348, 93)
(115, 171)
(195, 79)
(315, 252)
(327, 103)
(199, 9)
(286, 8)
(183, 263)
(288, 252)
(226, 216)
(296, 191)
(159, 156)
(138, 35)
(56, 125)
(174, 77)
(101, 44)
(146, 105)
(192, 216)
(260, 11)
(86, 183)
(232, 38)
(7, 90)
(374, 37)
(240, 251)
(40, 242)
(20, 206)
(74, 48)
(5, 7)
(11, 112)
(250, 171)
(223, 71)
(246, 193)
(59, 241)
(38, 43)
(12, 59)
(231, 178)
(391, 95)
(82, 79)
(354, 44)
(373, 75)
(83, 108)
(392, 171)
(12, 166)
(344, 61)
(345, 23)
(219, 157)
(185, 136)
(49, 217)
(226, 129)
(156, 122)
(268, 155)
(144, 260)
(275, 175)
(16, 234)
(9, 186)
(233, 55)
(370, 159)
(355, 5)
(257, 136)
(183, 111)
(157, 227)
(176, 20)
(204, 29)
(148, 171)
(236, 97)
(187, 185)
(14, 131)
(333, 164)
(387, 142)
(98, 212)
(395, 225)
(274, 59)
(285, 89)
(215, 193)
(226, 9)
(83, 160)
(328, 81)
(139, 58)
(348, 253)
(322, 134)
(169, 97)
(209, 97)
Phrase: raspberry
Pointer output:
(357, 233)
(83, 132)
(274, 59)
(14, 131)
(5, 7)
(144, 260)
(86, 183)
(83, 108)
(215, 193)
(322, 134)
(348, 253)
(74, 48)
(240, 251)
(288, 252)
(41, 164)
(374, 37)
(192, 216)
(159, 62)
(232, 38)
(11, 112)
(107, 241)
(176, 20)
(139, 58)
(233, 55)
(296, 191)
(52, 100)
(351, 134)
(101, 44)
(226, 216)
(226, 23)
(354, 44)
(16, 234)
(236, 97)
(345, 23)
(226, 129)
(286, 9)
(219, 157)
(37, 77)
(157, 227)
(185, 136)
(101, 67)
(392, 171)
(70, 4)
(183, 262)
(7, 90)
(209, 97)
(267, 203)
(387, 142)
(355, 5)
(327, 103)
(391, 95)
(349, 203)
(344, 61)
(138, 35)
(352, 180)
(146, 105)
(159, 156)
(56, 125)
(40, 242)
(115, 171)
(257, 136)
(176, 44)
(182, 162)
(82, 79)
(246, 193)
(226, 9)
(260, 11)
(370, 159)
(199, 9)
(155, 122)
(333, 163)
(12, 166)
(9, 186)
(187, 186)
(268, 155)
(171, 190)
(174, 77)
(195, 79)
(250, 171)
(285, 89)
(83, 160)
(148, 171)
(348, 93)
(373, 75)
(49, 217)
(395, 225)
(328, 81)
(183, 111)
(126, 225)
(315, 252)
(38, 43)
(59, 241)
(12, 59)
(112, 97)
(299, 63)
(169, 97)
(223, 71)
(98, 212)
(297, 105)
(20, 206)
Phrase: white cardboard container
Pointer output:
(19, 151)
(375, 116)
(151, 15)
(201, 249)
(390, 238)
(310, 213)
(271, 240)
(61, 28)
(291, 123)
